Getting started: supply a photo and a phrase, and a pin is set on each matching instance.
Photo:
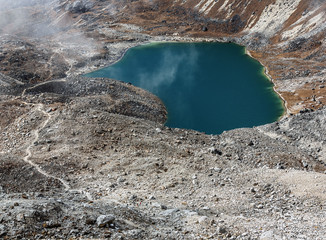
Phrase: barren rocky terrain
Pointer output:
(90, 158)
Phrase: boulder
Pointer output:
(105, 220)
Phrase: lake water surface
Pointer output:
(209, 87)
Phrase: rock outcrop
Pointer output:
(79, 6)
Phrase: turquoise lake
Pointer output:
(209, 87)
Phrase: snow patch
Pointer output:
(274, 16)
(224, 5)
(291, 34)
(199, 4)
(304, 27)
(245, 8)
(210, 8)
(206, 5)
(319, 19)
(251, 21)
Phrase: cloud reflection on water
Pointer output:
(169, 67)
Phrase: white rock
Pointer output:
(103, 220)
(2, 230)
(269, 235)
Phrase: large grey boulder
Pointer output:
(105, 220)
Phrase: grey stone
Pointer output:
(169, 212)
(20, 217)
(269, 235)
(104, 220)
(164, 207)
(215, 151)
(222, 230)
(2, 230)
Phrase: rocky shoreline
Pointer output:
(285, 104)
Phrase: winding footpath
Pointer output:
(28, 151)
(39, 107)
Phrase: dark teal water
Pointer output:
(209, 87)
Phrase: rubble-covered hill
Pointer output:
(90, 158)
